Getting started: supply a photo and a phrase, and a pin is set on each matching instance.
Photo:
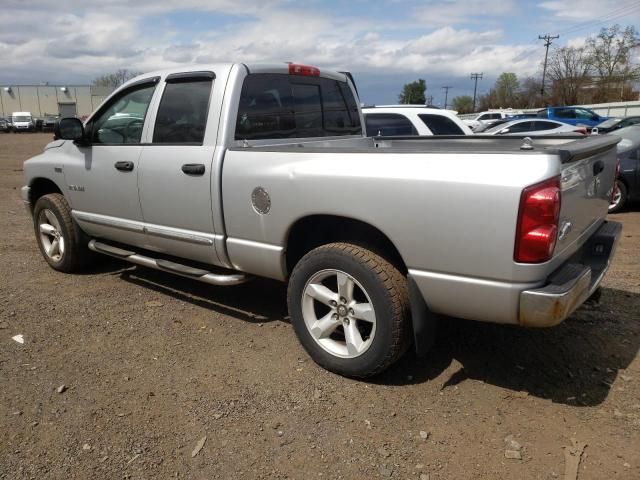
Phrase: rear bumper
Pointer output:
(571, 284)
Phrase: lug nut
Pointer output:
(351, 312)
(346, 321)
(343, 300)
(334, 316)
(333, 303)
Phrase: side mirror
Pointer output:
(69, 128)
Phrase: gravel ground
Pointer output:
(124, 371)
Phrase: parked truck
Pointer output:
(229, 171)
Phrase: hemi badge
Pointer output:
(57, 169)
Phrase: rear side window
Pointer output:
(289, 106)
(440, 125)
(388, 124)
(182, 115)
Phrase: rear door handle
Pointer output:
(124, 166)
(193, 168)
(598, 167)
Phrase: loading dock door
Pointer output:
(67, 109)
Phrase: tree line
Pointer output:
(601, 70)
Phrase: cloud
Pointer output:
(584, 10)
(41, 42)
(452, 12)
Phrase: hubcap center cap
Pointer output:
(342, 311)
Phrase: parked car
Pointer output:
(49, 122)
(531, 127)
(248, 170)
(493, 123)
(612, 124)
(628, 181)
(5, 126)
(484, 118)
(572, 115)
(393, 120)
(22, 122)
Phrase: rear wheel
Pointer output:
(619, 197)
(349, 308)
(61, 242)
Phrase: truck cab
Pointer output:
(22, 122)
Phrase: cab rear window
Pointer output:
(289, 106)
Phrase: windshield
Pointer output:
(497, 128)
(610, 123)
(22, 119)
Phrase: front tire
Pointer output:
(62, 244)
(350, 309)
(619, 198)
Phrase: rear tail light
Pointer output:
(538, 217)
(614, 189)
(304, 70)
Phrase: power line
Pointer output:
(446, 94)
(609, 17)
(547, 42)
(475, 77)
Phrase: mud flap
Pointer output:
(424, 320)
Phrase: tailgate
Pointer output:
(587, 177)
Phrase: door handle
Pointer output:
(193, 168)
(598, 167)
(124, 166)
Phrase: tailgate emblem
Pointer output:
(565, 228)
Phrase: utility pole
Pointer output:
(429, 100)
(547, 43)
(475, 77)
(446, 94)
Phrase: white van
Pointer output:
(22, 122)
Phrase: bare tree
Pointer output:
(529, 93)
(610, 57)
(568, 68)
(114, 80)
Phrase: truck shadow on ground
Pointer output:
(574, 363)
(257, 301)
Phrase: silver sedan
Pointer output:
(534, 127)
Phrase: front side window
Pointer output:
(440, 125)
(289, 106)
(520, 127)
(583, 114)
(565, 113)
(388, 124)
(182, 115)
(537, 126)
(121, 121)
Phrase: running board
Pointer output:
(167, 266)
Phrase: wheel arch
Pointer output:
(313, 231)
(41, 186)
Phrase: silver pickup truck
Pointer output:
(228, 171)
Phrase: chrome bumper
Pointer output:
(569, 286)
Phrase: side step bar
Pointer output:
(167, 266)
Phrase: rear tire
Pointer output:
(350, 309)
(619, 199)
(62, 244)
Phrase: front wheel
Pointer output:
(62, 244)
(350, 309)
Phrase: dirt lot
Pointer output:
(153, 363)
